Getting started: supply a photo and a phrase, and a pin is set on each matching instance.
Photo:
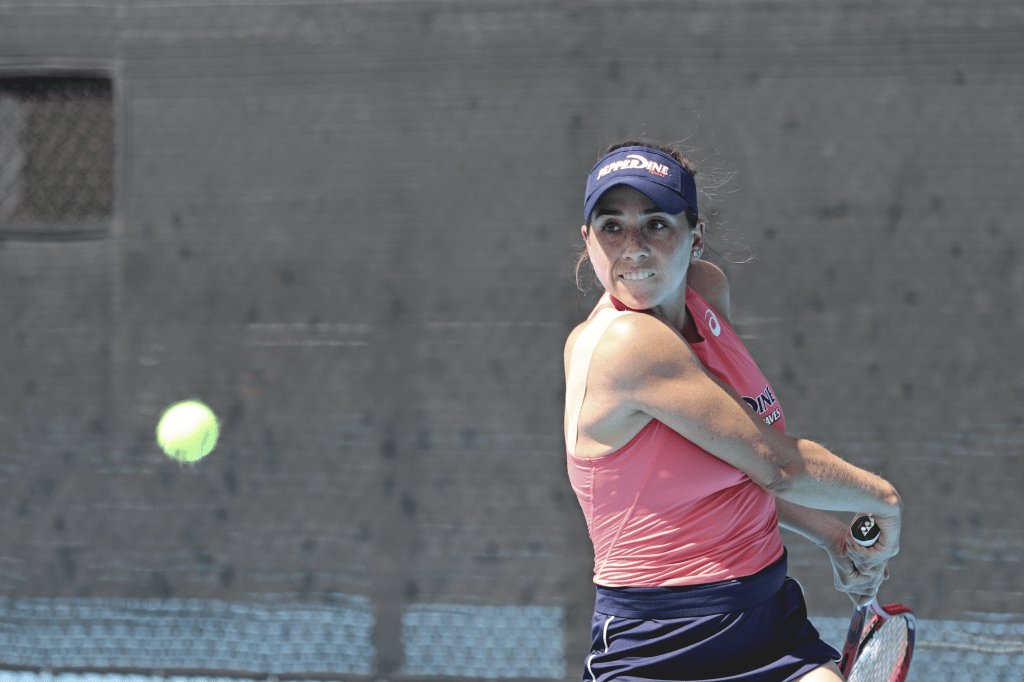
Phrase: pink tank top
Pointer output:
(662, 511)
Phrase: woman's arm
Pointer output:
(819, 527)
(712, 284)
(650, 368)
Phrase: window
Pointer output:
(56, 153)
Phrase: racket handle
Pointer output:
(865, 531)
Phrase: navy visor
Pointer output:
(657, 175)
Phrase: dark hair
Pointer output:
(691, 217)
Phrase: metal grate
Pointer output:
(484, 641)
(56, 149)
(189, 634)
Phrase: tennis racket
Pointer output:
(880, 642)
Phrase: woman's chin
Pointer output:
(633, 299)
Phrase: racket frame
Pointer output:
(864, 623)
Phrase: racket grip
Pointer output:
(865, 531)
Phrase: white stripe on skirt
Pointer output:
(591, 656)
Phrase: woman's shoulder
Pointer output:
(631, 340)
(626, 325)
(627, 320)
(710, 282)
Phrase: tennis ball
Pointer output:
(187, 431)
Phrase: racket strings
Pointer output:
(882, 652)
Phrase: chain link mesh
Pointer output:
(56, 149)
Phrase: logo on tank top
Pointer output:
(712, 320)
(763, 403)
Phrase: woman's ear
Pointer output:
(698, 236)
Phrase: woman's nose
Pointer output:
(636, 246)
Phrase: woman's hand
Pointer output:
(886, 547)
(859, 571)
(859, 586)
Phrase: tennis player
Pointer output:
(678, 453)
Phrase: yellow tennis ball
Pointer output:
(187, 431)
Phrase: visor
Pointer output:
(657, 175)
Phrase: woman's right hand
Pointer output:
(858, 585)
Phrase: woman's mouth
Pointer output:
(637, 275)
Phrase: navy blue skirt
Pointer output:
(752, 629)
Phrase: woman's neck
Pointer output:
(674, 311)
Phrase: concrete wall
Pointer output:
(350, 229)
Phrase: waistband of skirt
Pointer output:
(650, 603)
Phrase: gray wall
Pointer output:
(350, 229)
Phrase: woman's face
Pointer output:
(640, 253)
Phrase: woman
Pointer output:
(678, 455)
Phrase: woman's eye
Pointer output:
(657, 225)
(610, 227)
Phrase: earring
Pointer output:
(696, 253)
